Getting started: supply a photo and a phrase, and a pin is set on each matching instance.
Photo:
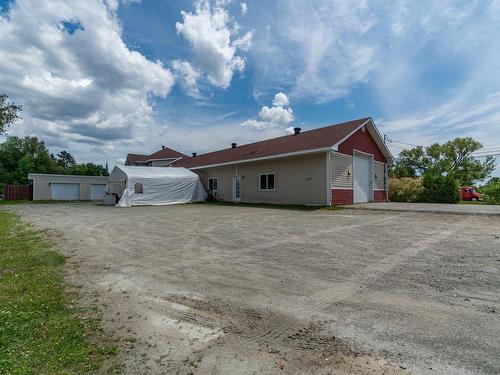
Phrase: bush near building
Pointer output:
(405, 189)
(431, 188)
(440, 189)
(491, 191)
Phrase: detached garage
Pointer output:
(67, 187)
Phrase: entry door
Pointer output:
(236, 188)
(362, 178)
(65, 192)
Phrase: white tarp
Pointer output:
(157, 185)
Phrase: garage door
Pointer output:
(65, 192)
(97, 192)
(362, 176)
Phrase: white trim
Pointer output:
(295, 153)
(328, 180)
(362, 152)
(391, 158)
(161, 159)
(208, 183)
(354, 151)
(336, 145)
(378, 189)
(379, 162)
(267, 173)
(382, 146)
(341, 154)
(32, 175)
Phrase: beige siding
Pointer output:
(298, 180)
(42, 184)
(341, 171)
(378, 175)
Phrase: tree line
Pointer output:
(20, 156)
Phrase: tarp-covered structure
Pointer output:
(141, 186)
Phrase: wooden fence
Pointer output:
(18, 192)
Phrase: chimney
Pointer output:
(194, 154)
(296, 131)
(233, 145)
(163, 147)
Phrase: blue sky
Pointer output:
(103, 78)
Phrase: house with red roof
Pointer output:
(338, 164)
(161, 158)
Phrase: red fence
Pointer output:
(18, 192)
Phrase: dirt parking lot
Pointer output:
(238, 290)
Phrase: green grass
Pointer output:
(8, 203)
(42, 331)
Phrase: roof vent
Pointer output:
(194, 154)
(163, 147)
(233, 145)
(296, 131)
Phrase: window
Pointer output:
(266, 181)
(213, 184)
(138, 188)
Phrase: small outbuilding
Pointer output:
(141, 186)
(67, 187)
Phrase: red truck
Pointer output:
(468, 193)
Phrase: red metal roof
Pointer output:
(134, 158)
(307, 140)
(166, 153)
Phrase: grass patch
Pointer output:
(10, 203)
(42, 331)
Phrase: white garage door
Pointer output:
(97, 192)
(65, 192)
(362, 176)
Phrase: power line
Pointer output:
(480, 124)
(492, 151)
(486, 155)
(387, 139)
(497, 149)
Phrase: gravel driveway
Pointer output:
(236, 290)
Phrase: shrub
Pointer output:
(439, 189)
(491, 192)
(405, 189)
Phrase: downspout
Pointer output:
(328, 180)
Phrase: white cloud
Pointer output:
(80, 86)
(464, 101)
(187, 76)
(212, 35)
(277, 116)
(280, 100)
(244, 8)
(319, 50)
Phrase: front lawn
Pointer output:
(42, 331)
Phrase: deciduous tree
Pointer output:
(9, 113)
